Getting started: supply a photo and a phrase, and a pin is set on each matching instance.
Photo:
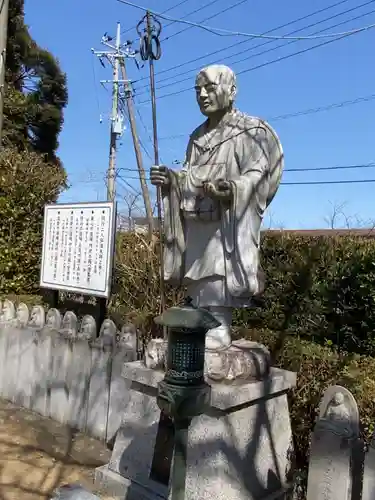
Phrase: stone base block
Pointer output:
(121, 487)
(240, 449)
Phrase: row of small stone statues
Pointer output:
(67, 324)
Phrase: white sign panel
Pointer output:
(78, 247)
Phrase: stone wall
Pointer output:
(64, 370)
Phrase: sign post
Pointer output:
(78, 251)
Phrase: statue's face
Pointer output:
(214, 91)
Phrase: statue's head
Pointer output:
(215, 88)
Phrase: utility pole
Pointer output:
(137, 149)
(114, 57)
(3, 48)
(111, 191)
(117, 57)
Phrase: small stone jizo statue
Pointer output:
(214, 207)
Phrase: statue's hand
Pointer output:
(159, 176)
(219, 189)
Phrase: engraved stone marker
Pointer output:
(108, 328)
(335, 433)
(87, 330)
(8, 313)
(22, 314)
(79, 372)
(69, 324)
(101, 363)
(26, 352)
(61, 360)
(53, 319)
(368, 492)
(37, 317)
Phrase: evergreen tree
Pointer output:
(36, 93)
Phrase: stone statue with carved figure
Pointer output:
(214, 207)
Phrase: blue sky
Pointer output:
(337, 72)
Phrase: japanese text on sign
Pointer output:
(78, 246)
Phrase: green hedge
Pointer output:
(320, 287)
(27, 183)
(317, 368)
(323, 288)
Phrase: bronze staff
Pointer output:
(150, 50)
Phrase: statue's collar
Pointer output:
(209, 139)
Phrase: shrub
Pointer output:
(322, 288)
(317, 368)
(27, 183)
(136, 288)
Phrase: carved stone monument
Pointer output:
(87, 330)
(53, 319)
(37, 317)
(69, 324)
(22, 314)
(213, 210)
(333, 440)
(215, 206)
(8, 312)
(80, 371)
(368, 492)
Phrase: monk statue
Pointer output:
(214, 207)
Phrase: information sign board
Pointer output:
(78, 247)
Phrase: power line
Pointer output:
(203, 20)
(267, 43)
(164, 12)
(221, 50)
(311, 183)
(268, 63)
(123, 109)
(345, 181)
(309, 169)
(192, 12)
(223, 32)
(309, 111)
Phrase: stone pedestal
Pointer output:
(240, 449)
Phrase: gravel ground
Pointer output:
(38, 455)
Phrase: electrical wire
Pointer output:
(236, 44)
(192, 12)
(308, 111)
(231, 7)
(344, 181)
(310, 169)
(124, 110)
(268, 63)
(223, 32)
(267, 43)
(310, 183)
(298, 183)
(95, 85)
(164, 12)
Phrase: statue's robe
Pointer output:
(212, 246)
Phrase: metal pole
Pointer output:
(111, 189)
(4, 6)
(156, 159)
(137, 150)
(179, 459)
